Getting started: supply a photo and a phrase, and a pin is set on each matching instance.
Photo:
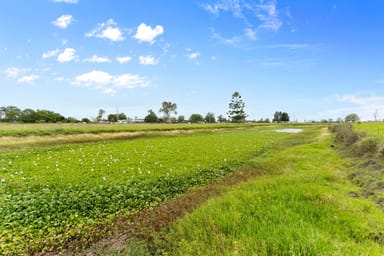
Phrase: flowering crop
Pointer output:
(48, 196)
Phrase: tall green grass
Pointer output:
(305, 208)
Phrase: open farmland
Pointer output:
(52, 195)
(371, 128)
(10, 129)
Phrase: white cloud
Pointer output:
(66, 1)
(364, 105)
(50, 54)
(215, 8)
(123, 60)
(97, 59)
(107, 30)
(67, 55)
(148, 60)
(193, 55)
(230, 41)
(145, 33)
(27, 79)
(130, 81)
(12, 72)
(255, 16)
(94, 77)
(108, 83)
(63, 21)
(250, 33)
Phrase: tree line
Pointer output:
(236, 114)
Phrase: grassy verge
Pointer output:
(305, 207)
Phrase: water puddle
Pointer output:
(290, 130)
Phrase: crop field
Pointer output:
(52, 195)
(9, 129)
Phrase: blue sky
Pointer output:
(315, 59)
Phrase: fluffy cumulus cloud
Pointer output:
(108, 83)
(69, 54)
(27, 79)
(66, 1)
(63, 21)
(147, 34)
(50, 54)
(148, 60)
(107, 30)
(124, 59)
(97, 59)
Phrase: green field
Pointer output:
(372, 128)
(51, 195)
(61, 197)
(16, 129)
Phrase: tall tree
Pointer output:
(100, 114)
(280, 117)
(236, 111)
(210, 118)
(167, 108)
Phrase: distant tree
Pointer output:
(196, 118)
(168, 108)
(11, 113)
(267, 120)
(100, 114)
(236, 111)
(151, 117)
(180, 119)
(284, 117)
(121, 116)
(221, 119)
(210, 118)
(351, 118)
(2, 113)
(280, 117)
(28, 116)
(47, 116)
(85, 120)
(72, 120)
(112, 118)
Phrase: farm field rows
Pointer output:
(52, 195)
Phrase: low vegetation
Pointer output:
(366, 153)
(51, 196)
(303, 205)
